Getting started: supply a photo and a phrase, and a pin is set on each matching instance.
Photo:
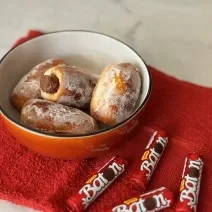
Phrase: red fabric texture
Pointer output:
(183, 109)
(31, 34)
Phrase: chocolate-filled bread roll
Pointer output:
(116, 93)
(68, 85)
(29, 86)
(52, 117)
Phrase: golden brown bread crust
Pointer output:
(29, 86)
(116, 93)
(75, 86)
(51, 117)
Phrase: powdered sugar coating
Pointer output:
(56, 118)
(79, 84)
(76, 86)
(48, 63)
(31, 81)
(29, 86)
(116, 93)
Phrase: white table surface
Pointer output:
(173, 35)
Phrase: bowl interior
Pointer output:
(89, 50)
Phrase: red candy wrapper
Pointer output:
(152, 201)
(96, 185)
(190, 184)
(150, 159)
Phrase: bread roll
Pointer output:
(51, 117)
(116, 94)
(68, 85)
(29, 86)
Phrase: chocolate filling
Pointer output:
(49, 84)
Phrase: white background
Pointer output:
(173, 35)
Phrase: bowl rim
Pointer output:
(101, 131)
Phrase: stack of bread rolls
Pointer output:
(58, 98)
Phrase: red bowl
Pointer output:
(90, 50)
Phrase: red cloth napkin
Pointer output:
(183, 109)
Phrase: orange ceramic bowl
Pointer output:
(90, 50)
